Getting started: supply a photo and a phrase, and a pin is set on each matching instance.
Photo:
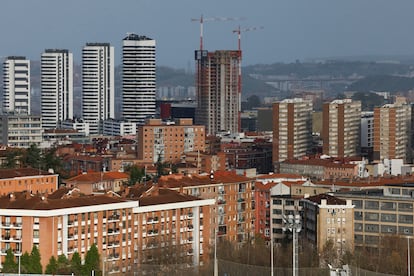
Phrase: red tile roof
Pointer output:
(25, 200)
(153, 194)
(13, 173)
(177, 180)
(331, 200)
(92, 177)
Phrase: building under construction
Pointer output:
(218, 86)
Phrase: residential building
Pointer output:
(27, 179)
(171, 228)
(367, 134)
(128, 231)
(292, 129)
(341, 128)
(20, 130)
(66, 222)
(382, 211)
(77, 124)
(56, 87)
(218, 83)
(112, 127)
(138, 78)
(167, 142)
(392, 126)
(98, 85)
(234, 197)
(328, 218)
(56, 136)
(98, 182)
(204, 163)
(317, 168)
(16, 85)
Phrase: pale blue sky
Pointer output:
(293, 29)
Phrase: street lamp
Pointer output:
(294, 225)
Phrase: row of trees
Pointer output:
(33, 157)
(389, 257)
(30, 263)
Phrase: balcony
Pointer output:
(113, 244)
(152, 232)
(240, 199)
(113, 231)
(113, 257)
(221, 201)
(113, 218)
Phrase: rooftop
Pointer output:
(24, 172)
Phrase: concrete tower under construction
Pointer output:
(218, 87)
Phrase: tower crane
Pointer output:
(201, 20)
(240, 30)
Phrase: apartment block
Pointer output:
(56, 87)
(233, 214)
(292, 129)
(341, 128)
(158, 141)
(128, 231)
(382, 211)
(171, 227)
(65, 223)
(392, 126)
(16, 85)
(218, 88)
(27, 179)
(328, 218)
(138, 78)
(20, 130)
(98, 85)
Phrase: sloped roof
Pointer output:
(93, 177)
(13, 173)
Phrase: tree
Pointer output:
(63, 265)
(92, 261)
(135, 174)
(33, 157)
(36, 265)
(52, 266)
(51, 161)
(9, 264)
(76, 264)
(11, 159)
(25, 263)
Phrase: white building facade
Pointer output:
(138, 78)
(16, 85)
(98, 85)
(56, 87)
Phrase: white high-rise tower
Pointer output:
(98, 85)
(138, 78)
(16, 85)
(57, 87)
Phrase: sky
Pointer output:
(292, 29)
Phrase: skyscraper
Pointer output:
(98, 85)
(56, 87)
(292, 129)
(218, 87)
(138, 78)
(16, 85)
(392, 126)
(341, 129)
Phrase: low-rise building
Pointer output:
(20, 130)
(27, 179)
(98, 182)
(328, 218)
